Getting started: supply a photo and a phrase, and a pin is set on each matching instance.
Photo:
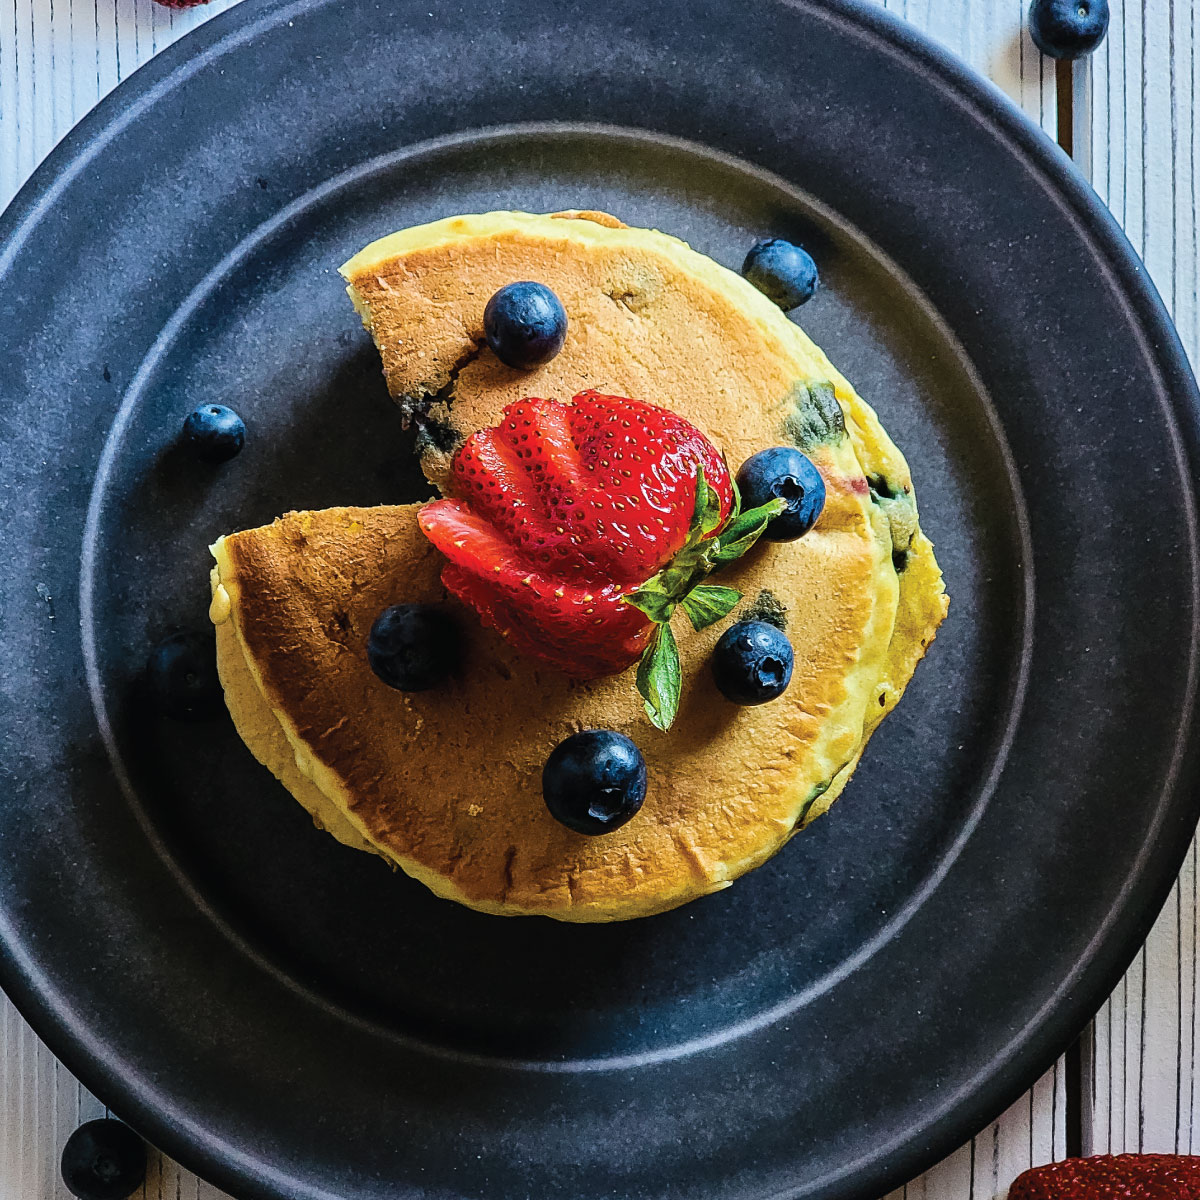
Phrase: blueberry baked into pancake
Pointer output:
(674, 581)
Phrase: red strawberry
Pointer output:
(181, 3)
(561, 510)
(1113, 1177)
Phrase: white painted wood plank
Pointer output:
(1139, 134)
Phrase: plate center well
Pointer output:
(273, 335)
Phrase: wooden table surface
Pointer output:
(1129, 115)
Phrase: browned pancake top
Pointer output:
(451, 779)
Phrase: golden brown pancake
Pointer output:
(446, 784)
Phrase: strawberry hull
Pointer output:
(561, 511)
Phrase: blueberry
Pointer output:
(783, 473)
(413, 647)
(525, 325)
(103, 1160)
(752, 663)
(1068, 28)
(594, 781)
(181, 674)
(214, 433)
(784, 273)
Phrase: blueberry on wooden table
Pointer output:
(784, 273)
(1068, 28)
(594, 781)
(103, 1160)
(214, 433)
(525, 325)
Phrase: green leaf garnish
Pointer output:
(706, 512)
(742, 530)
(681, 584)
(653, 599)
(707, 603)
(737, 491)
(659, 678)
(708, 503)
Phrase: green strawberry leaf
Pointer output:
(653, 599)
(658, 678)
(680, 583)
(701, 502)
(710, 505)
(742, 523)
(737, 491)
(706, 513)
(708, 602)
(742, 531)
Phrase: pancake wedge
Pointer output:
(446, 784)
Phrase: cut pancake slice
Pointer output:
(648, 317)
(446, 784)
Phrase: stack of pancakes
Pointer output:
(446, 784)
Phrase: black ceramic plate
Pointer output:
(292, 1020)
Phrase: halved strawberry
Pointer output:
(1113, 1177)
(562, 511)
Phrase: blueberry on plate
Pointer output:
(413, 647)
(103, 1160)
(783, 473)
(783, 272)
(525, 325)
(214, 433)
(181, 675)
(1068, 28)
(594, 781)
(752, 663)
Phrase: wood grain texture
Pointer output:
(1136, 136)
(1138, 133)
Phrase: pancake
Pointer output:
(446, 784)
(649, 317)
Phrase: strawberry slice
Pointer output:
(1113, 1177)
(583, 628)
(561, 511)
(612, 653)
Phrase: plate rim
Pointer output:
(1154, 870)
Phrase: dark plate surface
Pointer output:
(292, 1020)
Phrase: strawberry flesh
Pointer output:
(1113, 1177)
(561, 510)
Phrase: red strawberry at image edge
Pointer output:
(182, 3)
(1113, 1177)
(561, 510)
